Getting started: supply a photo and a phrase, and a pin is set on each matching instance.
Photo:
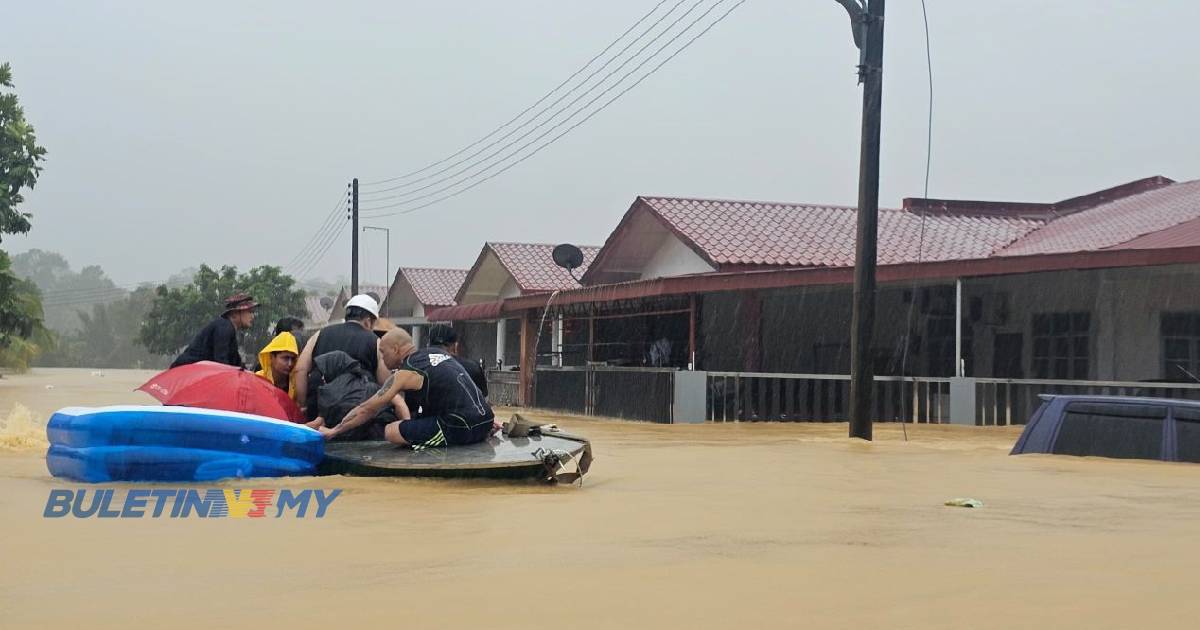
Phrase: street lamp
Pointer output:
(387, 260)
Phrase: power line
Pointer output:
(333, 214)
(319, 251)
(527, 109)
(114, 287)
(928, 162)
(57, 296)
(564, 108)
(323, 249)
(303, 255)
(319, 240)
(93, 295)
(568, 129)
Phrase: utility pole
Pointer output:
(354, 237)
(867, 21)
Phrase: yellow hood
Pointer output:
(283, 342)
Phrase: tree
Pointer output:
(22, 334)
(19, 157)
(71, 293)
(178, 313)
(108, 336)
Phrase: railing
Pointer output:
(1000, 402)
(504, 387)
(759, 396)
(630, 393)
(656, 395)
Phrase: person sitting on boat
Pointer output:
(452, 409)
(292, 325)
(445, 337)
(218, 341)
(285, 325)
(278, 360)
(354, 337)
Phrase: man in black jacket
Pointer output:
(218, 341)
(444, 337)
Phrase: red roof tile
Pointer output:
(317, 313)
(741, 233)
(1185, 234)
(534, 270)
(380, 291)
(434, 287)
(466, 312)
(1115, 222)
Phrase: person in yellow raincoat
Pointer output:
(278, 359)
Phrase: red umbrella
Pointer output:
(218, 386)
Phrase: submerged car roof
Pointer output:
(1144, 400)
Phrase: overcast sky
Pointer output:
(224, 132)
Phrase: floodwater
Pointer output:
(677, 526)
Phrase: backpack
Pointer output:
(345, 384)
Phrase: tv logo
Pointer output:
(189, 503)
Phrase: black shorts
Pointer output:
(451, 430)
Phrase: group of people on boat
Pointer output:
(363, 378)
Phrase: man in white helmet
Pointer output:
(354, 337)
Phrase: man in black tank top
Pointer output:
(354, 337)
(452, 409)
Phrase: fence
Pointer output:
(631, 393)
(756, 396)
(1004, 401)
(664, 395)
(504, 387)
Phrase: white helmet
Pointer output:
(366, 303)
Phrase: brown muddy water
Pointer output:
(751, 525)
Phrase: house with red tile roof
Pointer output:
(1095, 287)
(506, 270)
(337, 313)
(503, 271)
(417, 290)
(317, 310)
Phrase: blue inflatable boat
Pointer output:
(142, 443)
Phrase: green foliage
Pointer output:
(108, 336)
(19, 157)
(67, 294)
(22, 334)
(177, 314)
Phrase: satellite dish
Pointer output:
(568, 257)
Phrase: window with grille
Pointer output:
(1180, 345)
(1062, 345)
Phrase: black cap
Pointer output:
(442, 335)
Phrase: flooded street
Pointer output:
(677, 526)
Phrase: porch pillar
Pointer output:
(692, 332)
(416, 335)
(556, 341)
(591, 349)
(501, 331)
(958, 338)
(528, 359)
